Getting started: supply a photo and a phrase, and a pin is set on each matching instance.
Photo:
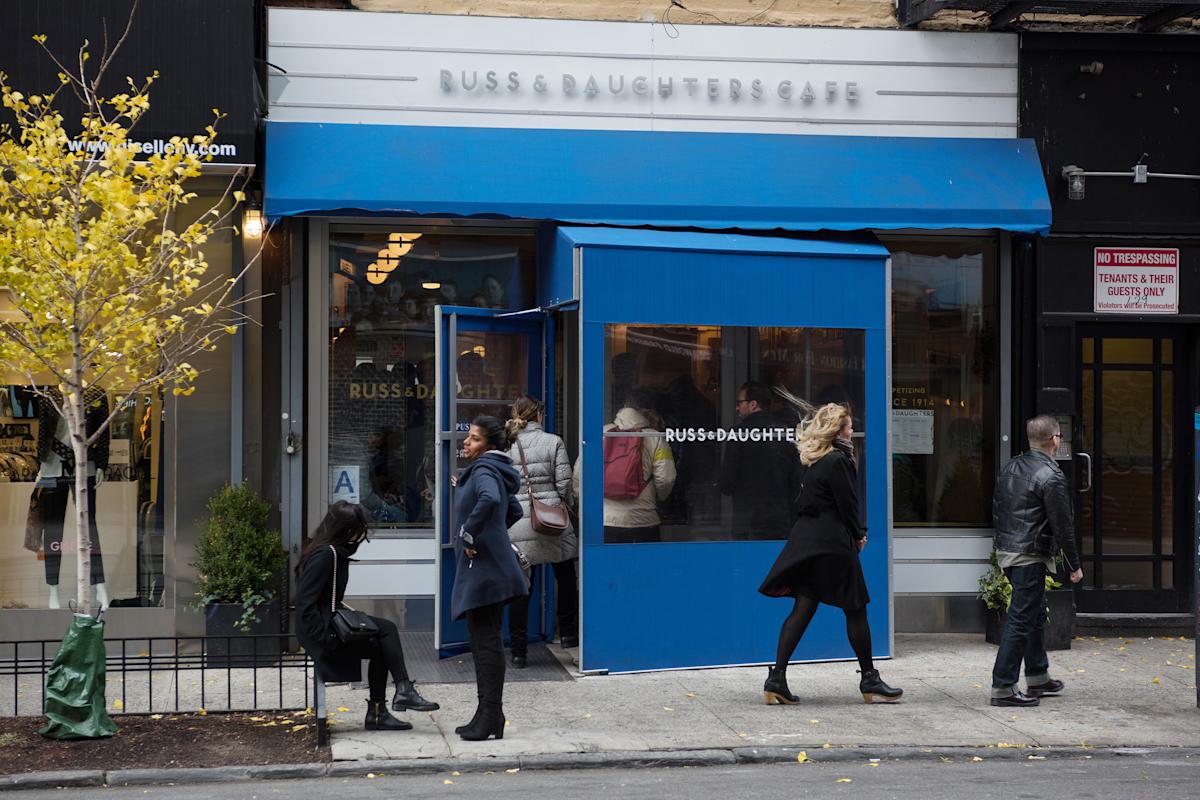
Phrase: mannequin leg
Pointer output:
(53, 601)
(54, 509)
(94, 535)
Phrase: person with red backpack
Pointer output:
(639, 472)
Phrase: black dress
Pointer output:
(820, 560)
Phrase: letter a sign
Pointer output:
(343, 484)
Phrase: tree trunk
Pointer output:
(77, 427)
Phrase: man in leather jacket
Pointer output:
(1032, 515)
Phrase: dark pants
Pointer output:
(487, 646)
(1023, 631)
(54, 510)
(615, 535)
(386, 656)
(566, 608)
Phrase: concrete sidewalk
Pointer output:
(1120, 693)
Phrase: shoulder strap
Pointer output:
(333, 591)
(525, 470)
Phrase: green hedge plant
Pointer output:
(238, 558)
(996, 592)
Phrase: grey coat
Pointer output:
(486, 508)
(550, 473)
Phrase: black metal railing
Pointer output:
(213, 673)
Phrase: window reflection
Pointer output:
(943, 395)
(384, 287)
(700, 439)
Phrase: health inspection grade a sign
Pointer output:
(1137, 280)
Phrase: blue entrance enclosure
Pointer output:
(692, 601)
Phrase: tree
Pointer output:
(109, 295)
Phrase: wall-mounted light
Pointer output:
(431, 285)
(1140, 172)
(252, 222)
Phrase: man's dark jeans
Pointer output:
(1023, 632)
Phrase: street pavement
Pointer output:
(1082, 776)
(1119, 693)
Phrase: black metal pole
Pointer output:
(1196, 543)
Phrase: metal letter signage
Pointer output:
(1136, 280)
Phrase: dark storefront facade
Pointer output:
(1105, 306)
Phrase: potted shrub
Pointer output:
(238, 565)
(996, 593)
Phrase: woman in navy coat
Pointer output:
(487, 572)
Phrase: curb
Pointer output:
(561, 761)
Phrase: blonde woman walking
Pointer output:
(820, 562)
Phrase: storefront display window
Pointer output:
(944, 401)
(383, 288)
(38, 550)
(709, 415)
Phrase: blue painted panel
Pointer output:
(697, 603)
(667, 179)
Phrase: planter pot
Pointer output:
(1060, 621)
(229, 646)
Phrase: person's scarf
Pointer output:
(846, 447)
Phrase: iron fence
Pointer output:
(171, 674)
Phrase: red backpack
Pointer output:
(624, 477)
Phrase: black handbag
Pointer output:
(349, 626)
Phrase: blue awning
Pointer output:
(690, 180)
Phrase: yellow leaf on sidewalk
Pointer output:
(1157, 680)
(845, 780)
(200, 712)
(802, 756)
(342, 709)
(118, 704)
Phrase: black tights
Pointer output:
(796, 623)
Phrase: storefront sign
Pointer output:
(466, 71)
(343, 484)
(780, 434)
(203, 52)
(1136, 280)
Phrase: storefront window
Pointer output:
(944, 405)
(383, 288)
(704, 418)
(38, 551)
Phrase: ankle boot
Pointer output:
(488, 722)
(409, 699)
(379, 719)
(775, 690)
(474, 719)
(875, 690)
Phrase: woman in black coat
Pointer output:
(487, 573)
(335, 540)
(820, 562)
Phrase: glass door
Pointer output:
(485, 359)
(1132, 518)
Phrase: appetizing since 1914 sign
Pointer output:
(1136, 280)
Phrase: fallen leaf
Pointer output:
(814, 722)
(872, 765)
(295, 728)
(1157, 680)
(802, 756)
(258, 719)
(118, 704)
(156, 716)
(201, 712)
(513, 771)
(456, 774)
(343, 709)
(587, 716)
(976, 758)
(844, 780)
(370, 774)
(1122, 669)
(743, 735)
(667, 708)
(448, 782)
(1081, 670)
(1036, 758)
(271, 724)
(1014, 717)
(826, 746)
(977, 686)
(1007, 745)
(691, 694)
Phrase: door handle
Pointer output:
(1087, 488)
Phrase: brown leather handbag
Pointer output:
(546, 519)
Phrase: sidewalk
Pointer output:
(1119, 693)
